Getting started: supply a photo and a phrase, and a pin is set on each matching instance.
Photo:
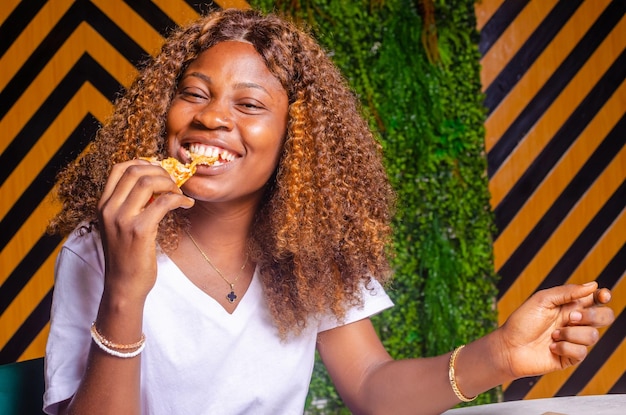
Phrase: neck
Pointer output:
(221, 231)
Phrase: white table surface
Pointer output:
(611, 404)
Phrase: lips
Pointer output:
(224, 155)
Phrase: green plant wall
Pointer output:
(415, 66)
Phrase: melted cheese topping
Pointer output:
(182, 172)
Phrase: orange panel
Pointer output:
(14, 58)
(235, 4)
(560, 240)
(513, 38)
(180, 12)
(610, 373)
(7, 8)
(484, 10)
(37, 348)
(540, 71)
(132, 24)
(32, 293)
(552, 186)
(84, 40)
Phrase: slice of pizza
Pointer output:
(181, 172)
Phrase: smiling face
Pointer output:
(228, 104)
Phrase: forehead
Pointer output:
(232, 60)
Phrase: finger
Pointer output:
(122, 178)
(145, 187)
(116, 174)
(136, 185)
(602, 296)
(565, 294)
(599, 297)
(130, 225)
(169, 201)
(570, 353)
(582, 335)
(596, 316)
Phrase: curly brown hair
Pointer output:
(323, 228)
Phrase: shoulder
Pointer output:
(83, 247)
(374, 300)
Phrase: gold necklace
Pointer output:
(231, 297)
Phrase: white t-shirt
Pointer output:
(198, 358)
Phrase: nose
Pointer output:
(214, 115)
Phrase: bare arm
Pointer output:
(128, 224)
(371, 382)
(551, 331)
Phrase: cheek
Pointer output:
(169, 138)
(178, 116)
(272, 145)
(174, 122)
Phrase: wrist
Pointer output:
(452, 376)
(499, 355)
(120, 318)
(481, 366)
(122, 297)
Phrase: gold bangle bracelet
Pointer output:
(452, 377)
(113, 345)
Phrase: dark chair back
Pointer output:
(21, 387)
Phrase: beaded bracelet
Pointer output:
(109, 343)
(109, 347)
(452, 377)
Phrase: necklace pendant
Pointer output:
(232, 297)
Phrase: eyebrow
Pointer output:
(240, 85)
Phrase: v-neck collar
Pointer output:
(243, 300)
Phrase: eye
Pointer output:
(193, 94)
(251, 106)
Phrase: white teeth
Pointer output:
(211, 151)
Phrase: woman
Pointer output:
(213, 298)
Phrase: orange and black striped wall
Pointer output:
(553, 74)
(61, 64)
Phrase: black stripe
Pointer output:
(498, 22)
(545, 161)
(17, 21)
(154, 16)
(593, 168)
(85, 70)
(537, 107)
(518, 389)
(614, 270)
(43, 183)
(81, 10)
(28, 331)
(113, 34)
(203, 7)
(605, 347)
(610, 275)
(583, 244)
(27, 267)
(529, 52)
(620, 385)
(586, 240)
